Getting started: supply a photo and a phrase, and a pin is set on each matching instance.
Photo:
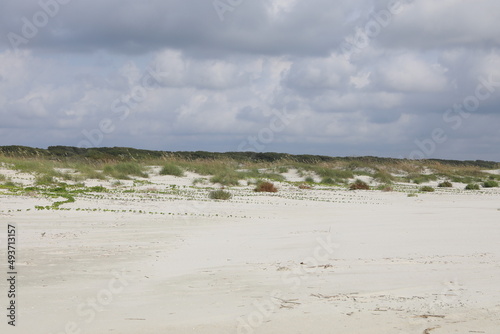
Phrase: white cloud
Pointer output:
(408, 73)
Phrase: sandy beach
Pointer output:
(322, 260)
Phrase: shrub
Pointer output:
(328, 180)
(421, 178)
(359, 185)
(282, 169)
(266, 187)
(229, 179)
(220, 194)
(124, 170)
(201, 180)
(2, 177)
(304, 186)
(309, 179)
(171, 169)
(472, 186)
(383, 177)
(427, 189)
(490, 184)
(44, 180)
(334, 173)
(445, 184)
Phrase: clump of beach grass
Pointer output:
(171, 169)
(220, 194)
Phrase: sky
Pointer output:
(402, 78)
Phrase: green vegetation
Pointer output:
(472, 186)
(229, 179)
(44, 180)
(171, 169)
(220, 194)
(490, 184)
(309, 179)
(421, 178)
(124, 170)
(445, 184)
(328, 181)
(383, 176)
(427, 189)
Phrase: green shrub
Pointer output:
(3, 177)
(220, 194)
(123, 170)
(171, 169)
(445, 184)
(229, 179)
(472, 186)
(309, 179)
(282, 169)
(426, 189)
(328, 180)
(421, 178)
(490, 184)
(266, 187)
(383, 177)
(334, 173)
(359, 185)
(44, 180)
(201, 180)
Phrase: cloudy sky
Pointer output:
(408, 78)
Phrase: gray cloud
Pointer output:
(215, 84)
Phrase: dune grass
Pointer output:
(220, 194)
(171, 169)
(124, 170)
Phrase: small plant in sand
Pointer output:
(359, 185)
(445, 184)
(220, 194)
(472, 186)
(266, 187)
(490, 184)
(427, 189)
(171, 169)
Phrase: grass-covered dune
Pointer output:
(58, 165)
(126, 154)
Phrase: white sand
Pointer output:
(257, 263)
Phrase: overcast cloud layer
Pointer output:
(408, 78)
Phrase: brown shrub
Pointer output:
(266, 187)
(359, 185)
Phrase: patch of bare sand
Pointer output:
(294, 262)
